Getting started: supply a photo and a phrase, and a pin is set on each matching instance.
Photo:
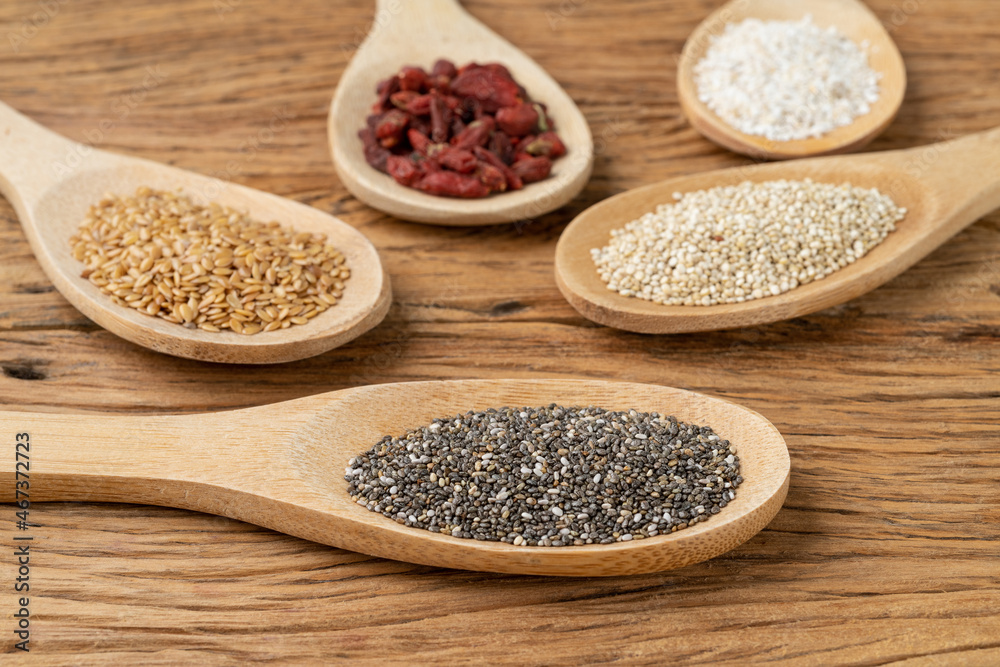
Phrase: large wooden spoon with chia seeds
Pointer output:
(945, 187)
(52, 181)
(282, 467)
(853, 19)
(418, 32)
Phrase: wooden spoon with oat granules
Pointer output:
(851, 17)
(945, 187)
(282, 467)
(51, 183)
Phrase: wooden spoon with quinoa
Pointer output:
(943, 188)
(185, 264)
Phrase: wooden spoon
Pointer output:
(282, 467)
(854, 20)
(52, 181)
(418, 32)
(944, 186)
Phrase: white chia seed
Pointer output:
(786, 80)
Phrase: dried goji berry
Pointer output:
(390, 127)
(441, 75)
(547, 144)
(450, 184)
(440, 118)
(375, 155)
(444, 67)
(428, 165)
(418, 140)
(500, 144)
(476, 134)
(491, 88)
(514, 181)
(491, 177)
(385, 89)
(498, 68)
(403, 169)
(533, 169)
(456, 159)
(412, 78)
(517, 120)
(401, 99)
(419, 105)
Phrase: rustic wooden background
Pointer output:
(887, 550)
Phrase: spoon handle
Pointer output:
(413, 7)
(32, 158)
(176, 461)
(964, 171)
(407, 17)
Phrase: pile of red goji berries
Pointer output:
(460, 132)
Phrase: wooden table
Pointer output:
(887, 550)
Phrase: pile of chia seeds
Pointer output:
(550, 476)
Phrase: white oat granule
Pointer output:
(736, 243)
(786, 80)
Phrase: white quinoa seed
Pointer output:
(737, 243)
(786, 80)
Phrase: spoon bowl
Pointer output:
(282, 467)
(944, 187)
(418, 32)
(854, 20)
(52, 181)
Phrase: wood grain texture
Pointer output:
(886, 549)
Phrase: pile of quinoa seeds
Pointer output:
(206, 267)
(736, 243)
(550, 476)
(786, 80)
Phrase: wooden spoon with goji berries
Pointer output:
(438, 119)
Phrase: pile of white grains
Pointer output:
(209, 267)
(786, 80)
(737, 243)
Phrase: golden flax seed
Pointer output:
(206, 267)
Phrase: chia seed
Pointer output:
(549, 476)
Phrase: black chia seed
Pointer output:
(549, 476)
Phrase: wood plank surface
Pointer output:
(886, 552)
